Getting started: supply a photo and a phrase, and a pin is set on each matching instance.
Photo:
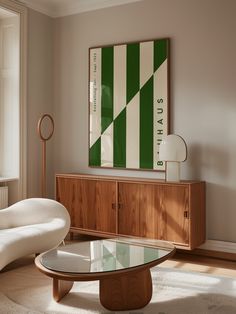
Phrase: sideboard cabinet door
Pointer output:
(102, 206)
(66, 195)
(90, 203)
(154, 211)
(175, 214)
(128, 212)
(149, 211)
(139, 210)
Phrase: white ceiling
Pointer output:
(57, 8)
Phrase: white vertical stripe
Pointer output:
(107, 147)
(96, 256)
(159, 111)
(132, 133)
(95, 95)
(119, 100)
(146, 62)
(136, 255)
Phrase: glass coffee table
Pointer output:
(122, 266)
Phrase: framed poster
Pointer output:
(128, 104)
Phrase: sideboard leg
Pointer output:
(71, 236)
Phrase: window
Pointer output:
(9, 94)
(13, 92)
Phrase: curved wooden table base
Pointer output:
(61, 288)
(130, 291)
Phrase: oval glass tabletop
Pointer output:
(105, 255)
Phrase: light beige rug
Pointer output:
(25, 290)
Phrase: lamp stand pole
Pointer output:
(43, 178)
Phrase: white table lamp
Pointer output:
(173, 150)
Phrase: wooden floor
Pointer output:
(201, 264)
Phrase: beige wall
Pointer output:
(40, 97)
(203, 93)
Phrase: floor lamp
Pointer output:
(44, 139)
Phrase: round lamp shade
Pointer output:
(173, 148)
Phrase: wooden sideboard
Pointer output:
(108, 206)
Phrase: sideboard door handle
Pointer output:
(186, 214)
(116, 206)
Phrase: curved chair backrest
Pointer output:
(32, 211)
(31, 226)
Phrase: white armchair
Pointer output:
(31, 226)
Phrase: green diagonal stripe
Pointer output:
(123, 254)
(146, 125)
(132, 79)
(119, 140)
(95, 154)
(160, 52)
(109, 261)
(107, 87)
(150, 254)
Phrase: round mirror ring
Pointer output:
(40, 127)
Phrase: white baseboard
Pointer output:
(219, 246)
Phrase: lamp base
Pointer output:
(173, 171)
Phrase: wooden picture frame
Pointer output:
(128, 104)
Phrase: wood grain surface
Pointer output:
(61, 288)
(105, 206)
(127, 292)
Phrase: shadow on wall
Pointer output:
(213, 165)
(207, 161)
(221, 200)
